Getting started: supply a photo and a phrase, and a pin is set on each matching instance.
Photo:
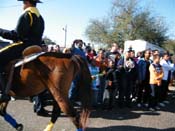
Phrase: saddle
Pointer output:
(29, 54)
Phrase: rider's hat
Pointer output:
(37, 1)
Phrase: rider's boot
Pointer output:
(13, 122)
(4, 97)
(19, 127)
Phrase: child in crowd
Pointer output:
(94, 70)
(156, 75)
(111, 86)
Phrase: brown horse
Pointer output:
(54, 71)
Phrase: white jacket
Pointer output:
(167, 66)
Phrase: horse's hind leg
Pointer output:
(55, 114)
(67, 108)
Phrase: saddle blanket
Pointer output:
(28, 59)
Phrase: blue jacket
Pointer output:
(78, 51)
(142, 69)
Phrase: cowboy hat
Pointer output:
(37, 1)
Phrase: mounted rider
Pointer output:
(28, 32)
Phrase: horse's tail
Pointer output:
(85, 91)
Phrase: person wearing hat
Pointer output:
(29, 31)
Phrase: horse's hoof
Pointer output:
(47, 130)
(19, 127)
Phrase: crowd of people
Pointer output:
(124, 78)
(117, 75)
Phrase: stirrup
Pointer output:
(4, 98)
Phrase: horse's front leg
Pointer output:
(8, 118)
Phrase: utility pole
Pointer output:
(65, 35)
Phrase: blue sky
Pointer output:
(76, 14)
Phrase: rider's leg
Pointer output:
(2, 82)
(79, 129)
(12, 122)
(3, 95)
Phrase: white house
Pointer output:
(141, 45)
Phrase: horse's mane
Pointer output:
(57, 55)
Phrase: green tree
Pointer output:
(127, 21)
(48, 41)
(97, 31)
(170, 46)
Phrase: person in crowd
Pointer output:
(156, 75)
(89, 53)
(120, 50)
(57, 49)
(132, 54)
(139, 55)
(44, 48)
(154, 52)
(110, 86)
(29, 31)
(143, 78)
(52, 49)
(168, 67)
(102, 63)
(115, 56)
(125, 67)
(66, 50)
(112, 50)
(135, 78)
(94, 70)
(76, 49)
(39, 101)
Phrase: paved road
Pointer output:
(116, 120)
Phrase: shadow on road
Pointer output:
(124, 114)
(132, 113)
(128, 128)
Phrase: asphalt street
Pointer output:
(125, 119)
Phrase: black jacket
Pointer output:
(29, 29)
